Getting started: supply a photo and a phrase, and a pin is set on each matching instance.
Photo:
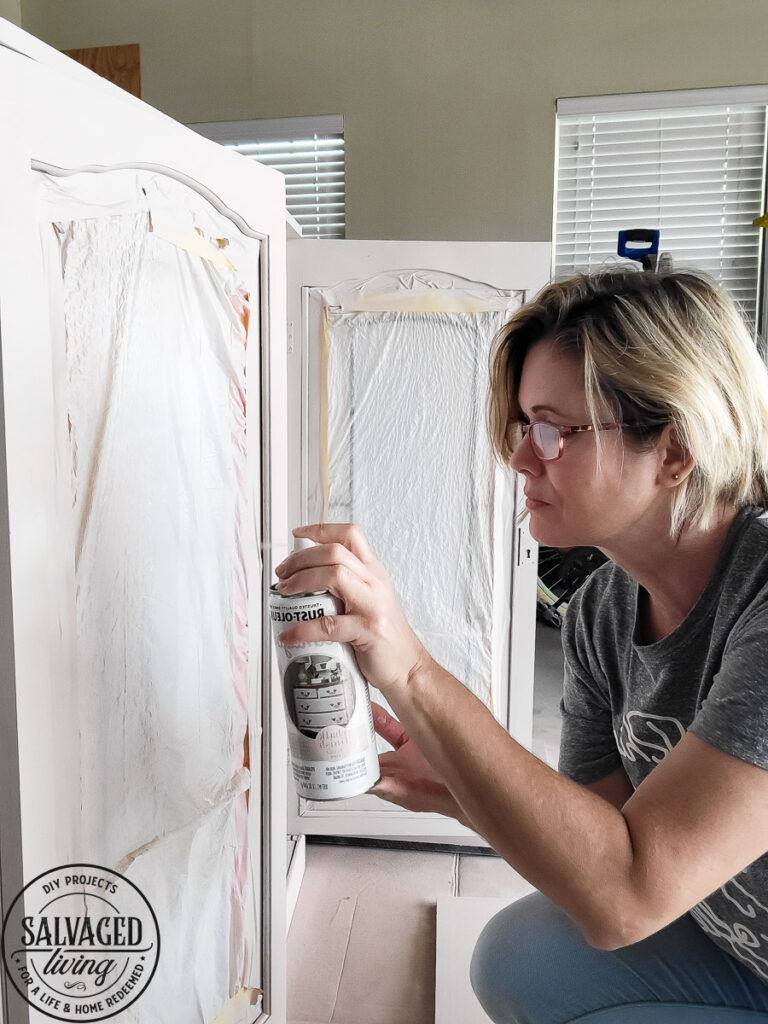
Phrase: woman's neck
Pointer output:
(672, 574)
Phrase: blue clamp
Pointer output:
(642, 253)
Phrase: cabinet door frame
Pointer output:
(59, 114)
(318, 263)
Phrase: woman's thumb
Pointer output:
(387, 727)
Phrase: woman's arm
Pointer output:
(407, 778)
(695, 821)
(570, 843)
(615, 788)
(621, 873)
(410, 781)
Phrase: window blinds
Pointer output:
(697, 173)
(309, 151)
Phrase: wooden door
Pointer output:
(118, 64)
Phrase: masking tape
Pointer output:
(233, 1010)
(324, 454)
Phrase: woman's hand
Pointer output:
(386, 648)
(407, 778)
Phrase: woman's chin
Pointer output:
(548, 535)
(540, 530)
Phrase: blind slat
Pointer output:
(314, 170)
(696, 174)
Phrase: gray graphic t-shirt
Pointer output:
(626, 705)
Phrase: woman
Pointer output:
(635, 406)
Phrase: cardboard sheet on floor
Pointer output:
(460, 919)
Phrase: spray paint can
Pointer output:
(328, 708)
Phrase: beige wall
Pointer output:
(11, 10)
(448, 105)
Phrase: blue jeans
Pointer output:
(532, 965)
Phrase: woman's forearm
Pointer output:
(455, 810)
(570, 843)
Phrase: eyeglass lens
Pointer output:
(545, 438)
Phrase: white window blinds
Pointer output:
(309, 151)
(695, 172)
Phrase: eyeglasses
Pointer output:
(547, 438)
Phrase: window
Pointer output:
(309, 151)
(692, 164)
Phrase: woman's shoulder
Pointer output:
(606, 598)
(609, 583)
(744, 578)
(754, 521)
(746, 561)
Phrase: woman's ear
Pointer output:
(675, 460)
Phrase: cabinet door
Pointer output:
(389, 368)
(142, 323)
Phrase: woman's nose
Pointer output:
(525, 460)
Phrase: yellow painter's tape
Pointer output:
(233, 1012)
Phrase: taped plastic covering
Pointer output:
(408, 456)
(155, 329)
(420, 291)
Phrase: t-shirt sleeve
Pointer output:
(734, 715)
(588, 749)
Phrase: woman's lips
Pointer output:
(532, 503)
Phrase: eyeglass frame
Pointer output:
(563, 431)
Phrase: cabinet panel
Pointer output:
(391, 378)
(153, 340)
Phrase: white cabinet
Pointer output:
(159, 436)
(142, 490)
(388, 348)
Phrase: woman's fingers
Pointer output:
(328, 554)
(387, 727)
(341, 629)
(425, 796)
(391, 784)
(348, 534)
(371, 618)
(338, 579)
(390, 790)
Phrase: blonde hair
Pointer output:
(657, 349)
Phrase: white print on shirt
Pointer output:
(745, 944)
(746, 902)
(647, 737)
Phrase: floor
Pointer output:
(547, 690)
(361, 948)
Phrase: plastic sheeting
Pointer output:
(410, 462)
(154, 397)
(420, 291)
